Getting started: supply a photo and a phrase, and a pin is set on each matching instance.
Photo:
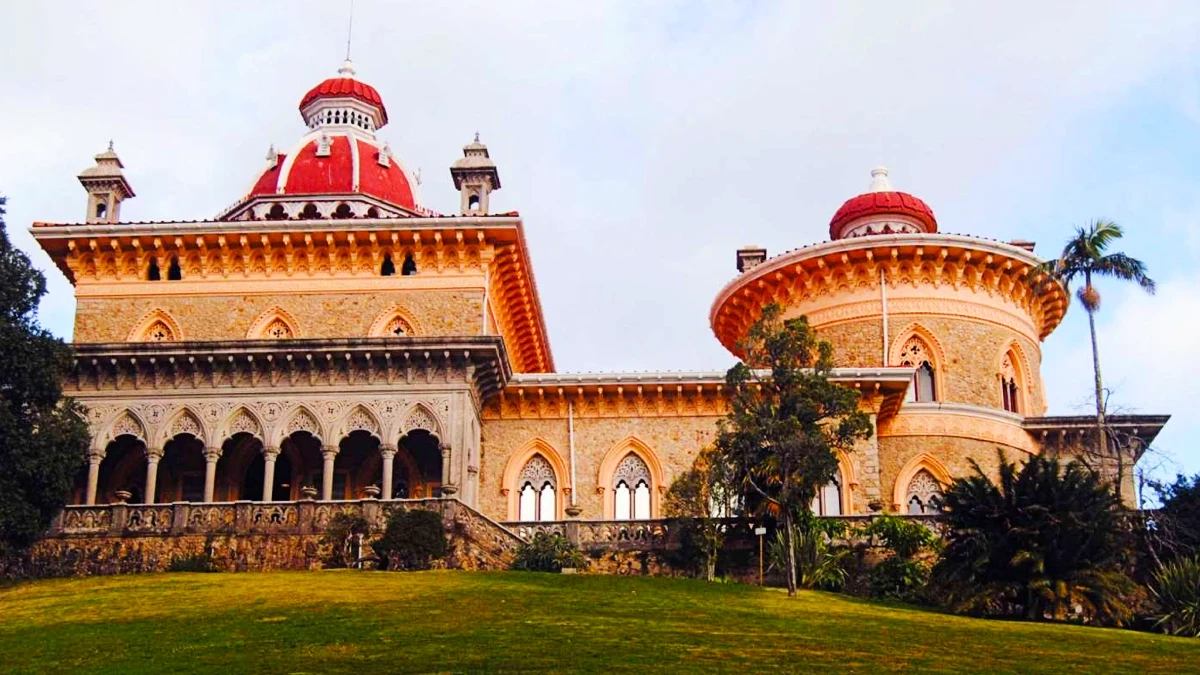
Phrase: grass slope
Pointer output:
(379, 622)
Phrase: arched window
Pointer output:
(101, 209)
(310, 212)
(388, 268)
(828, 501)
(409, 267)
(916, 354)
(277, 329)
(924, 494)
(159, 331)
(1009, 389)
(372, 212)
(397, 327)
(539, 494)
(277, 213)
(174, 273)
(473, 203)
(343, 211)
(152, 274)
(632, 489)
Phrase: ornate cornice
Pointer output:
(828, 271)
(125, 368)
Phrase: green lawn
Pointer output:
(380, 622)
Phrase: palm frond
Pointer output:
(1121, 266)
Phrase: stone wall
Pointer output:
(971, 351)
(952, 453)
(316, 315)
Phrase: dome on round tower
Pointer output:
(882, 210)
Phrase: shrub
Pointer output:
(820, 563)
(341, 537)
(548, 553)
(1176, 587)
(198, 562)
(1045, 542)
(900, 575)
(412, 540)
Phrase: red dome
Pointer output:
(345, 87)
(882, 203)
(346, 169)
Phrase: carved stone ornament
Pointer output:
(538, 473)
(420, 418)
(925, 487)
(632, 470)
(242, 422)
(360, 419)
(127, 425)
(914, 353)
(185, 424)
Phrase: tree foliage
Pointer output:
(548, 553)
(1176, 589)
(43, 438)
(1042, 541)
(1175, 530)
(901, 575)
(786, 419)
(820, 562)
(1084, 258)
(698, 499)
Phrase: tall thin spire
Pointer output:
(349, 30)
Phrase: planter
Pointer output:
(371, 492)
(308, 492)
(122, 496)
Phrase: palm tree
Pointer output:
(1084, 257)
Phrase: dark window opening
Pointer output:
(388, 268)
(926, 391)
(372, 212)
(101, 210)
(174, 273)
(343, 211)
(409, 267)
(1008, 389)
(277, 213)
(153, 274)
(310, 212)
(473, 203)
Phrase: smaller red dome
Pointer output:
(345, 87)
(883, 201)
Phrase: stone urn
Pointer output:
(573, 511)
(308, 492)
(371, 492)
(449, 490)
(122, 496)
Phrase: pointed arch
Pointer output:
(395, 318)
(184, 421)
(921, 462)
(421, 416)
(156, 326)
(1013, 375)
(361, 418)
(242, 420)
(608, 467)
(535, 447)
(917, 345)
(126, 423)
(274, 324)
(300, 418)
(849, 481)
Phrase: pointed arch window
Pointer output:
(159, 331)
(917, 355)
(1010, 390)
(924, 494)
(153, 273)
(828, 501)
(538, 491)
(174, 272)
(388, 268)
(631, 489)
(278, 329)
(409, 267)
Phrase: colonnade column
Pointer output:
(211, 455)
(153, 455)
(448, 487)
(388, 453)
(269, 457)
(328, 453)
(94, 459)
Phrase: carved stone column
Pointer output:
(328, 453)
(211, 455)
(448, 488)
(153, 455)
(93, 479)
(269, 457)
(388, 453)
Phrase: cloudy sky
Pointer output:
(644, 142)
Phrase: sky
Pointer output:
(643, 143)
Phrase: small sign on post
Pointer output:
(760, 531)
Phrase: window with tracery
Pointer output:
(538, 491)
(631, 489)
(159, 331)
(277, 329)
(916, 354)
(1009, 389)
(924, 494)
(397, 327)
(828, 501)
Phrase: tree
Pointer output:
(1041, 541)
(412, 540)
(698, 499)
(786, 420)
(43, 437)
(1175, 530)
(1084, 258)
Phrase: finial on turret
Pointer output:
(347, 69)
(879, 180)
(476, 136)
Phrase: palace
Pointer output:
(330, 338)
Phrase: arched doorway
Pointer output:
(424, 451)
(123, 468)
(181, 471)
(357, 465)
(237, 455)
